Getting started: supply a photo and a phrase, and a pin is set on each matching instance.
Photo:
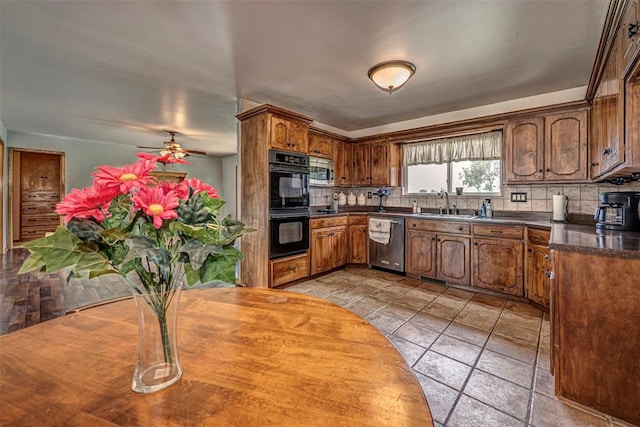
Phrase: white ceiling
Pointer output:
(120, 71)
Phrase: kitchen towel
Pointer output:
(380, 230)
(559, 207)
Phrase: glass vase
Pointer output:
(158, 364)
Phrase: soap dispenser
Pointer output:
(483, 210)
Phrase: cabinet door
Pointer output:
(343, 163)
(525, 150)
(288, 135)
(629, 33)
(321, 250)
(358, 244)
(598, 132)
(320, 146)
(379, 163)
(420, 255)
(454, 259)
(498, 265)
(613, 152)
(538, 285)
(566, 146)
(361, 167)
(340, 245)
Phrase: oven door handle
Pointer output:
(286, 169)
(287, 215)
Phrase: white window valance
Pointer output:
(479, 146)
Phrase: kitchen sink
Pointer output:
(452, 216)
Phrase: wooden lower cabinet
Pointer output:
(358, 239)
(538, 282)
(285, 270)
(498, 265)
(437, 256)
(595, 317)
(328, 243)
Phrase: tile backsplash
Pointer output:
(583, 198)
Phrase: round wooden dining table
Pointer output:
(250, 357)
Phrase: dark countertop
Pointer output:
(564, 237)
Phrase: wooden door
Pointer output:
(613, 153)
(538, 284)
(340, 242)
(343, 163)
(598, 132)
(358, 243)
(525, 150)
(321, 250)
(279, 138)
(361, 164)
(566, 142)
(628, 37)
(299, 137)
(454, 259)
(38, 186)
(420, 255)
(498, 265)
(379, 163)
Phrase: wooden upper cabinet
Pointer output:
(343, 163)
(361, 164)
(566, 140)
(289, 135)
(376, 163)
(629, 32)
(321, 145)
(525, 150)
(552, 148)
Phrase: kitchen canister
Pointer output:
(351, 200)
(342, 199)
(362, 200)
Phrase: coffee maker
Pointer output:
(618, 211)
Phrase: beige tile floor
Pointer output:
(481, 360)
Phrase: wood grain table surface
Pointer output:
(250, 357)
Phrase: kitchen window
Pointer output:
(471, 162)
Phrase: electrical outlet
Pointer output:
(369, 195)
(519, 197)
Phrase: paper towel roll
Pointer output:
(559, 207)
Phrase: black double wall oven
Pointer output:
(288, 203)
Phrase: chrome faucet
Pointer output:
(447, 209)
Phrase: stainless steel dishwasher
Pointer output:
(391, 255)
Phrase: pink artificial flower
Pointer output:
(86, 203)
(199, 186)
(117, 181)
(182, 191)
(164, 159)
(156, 203)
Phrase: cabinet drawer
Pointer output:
(358, 220)
(288, 269)
(36, 208)
(538, 237)
(508, 231)
(40, 220)
(329, 222)
(450, 227)
(40, 196)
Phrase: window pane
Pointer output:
(476, 176)
(426, 178)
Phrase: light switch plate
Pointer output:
(519, 197)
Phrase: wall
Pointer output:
(229, 165)
(583, 198)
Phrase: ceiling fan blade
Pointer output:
(149, 148)
(200, 153)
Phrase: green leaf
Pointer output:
(34, 262)
(84, 229)
(199, 251)
(212, 205)
(93, 262)
(193, 276)
(58, 250)
(141, 247)
(221, 266)
(188, 230)
(114, 234)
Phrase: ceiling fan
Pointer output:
(174, 148)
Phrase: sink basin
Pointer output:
(452, 216)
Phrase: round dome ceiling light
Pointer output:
(391, 75)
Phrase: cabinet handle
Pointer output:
(594, 164)
(548, 274)
(496, 231)
(540, 170)
(548, 257)
(606, 151)
(529, 250)
(475, 243)
(633, 29)
(433, 239)
(459, 228)
(439, 240)
(547, 170)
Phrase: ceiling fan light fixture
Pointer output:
(391, 75)
(179, 155)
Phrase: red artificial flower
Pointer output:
(164, 159)
(199, 186)
(86, 203)
(156, 203)
(121, 180)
